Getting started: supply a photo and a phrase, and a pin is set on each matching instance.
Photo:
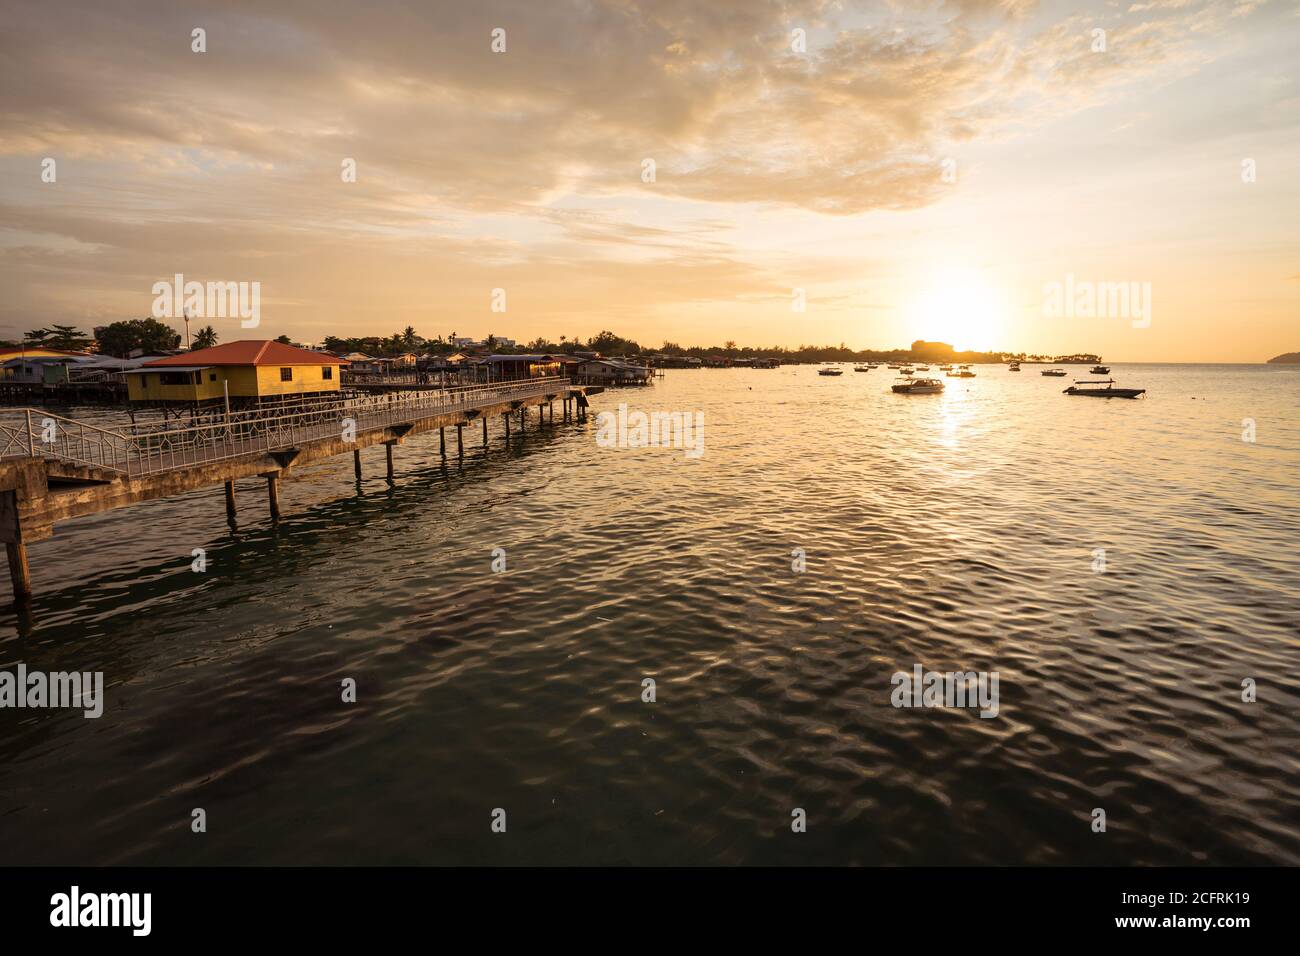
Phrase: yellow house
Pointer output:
(251, 369)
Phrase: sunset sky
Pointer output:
(775, 169)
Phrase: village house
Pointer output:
(250, 370)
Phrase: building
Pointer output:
(610, 371)
(505, 368)
(249, 371)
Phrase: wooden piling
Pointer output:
(19, 571)
(230, 502)
(484, 431)
(442, 442)
(356, 464)
(460, 441)
(388, 452)
(273, 495)
(506, 416)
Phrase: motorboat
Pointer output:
(908, 370)
(1110, 391)
(830, 371)
(863, 368)
(1014, 367)
(921, 368)
(1055, 372)
(918, 386)
(1100, 370)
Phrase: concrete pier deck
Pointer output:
(53, 469)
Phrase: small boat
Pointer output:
(863, 368)
(1054, 372)
(830, 371)
(918, 386)
(922, 368)
(945, 368)
(1100, 370)
(907, 370)
(893, 365)
(965, 372)
(1014, 367)
(1110, 391)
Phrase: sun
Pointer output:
(960, 307)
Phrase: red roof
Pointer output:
(248, 352)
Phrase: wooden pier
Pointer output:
(54, 469)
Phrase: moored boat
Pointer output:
(1100, 370)
(1110, 391)
(830, 371)
(1054, 372)
(863, 368)
(918, 386)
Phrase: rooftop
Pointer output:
(248, 352)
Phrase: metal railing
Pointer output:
(37, 433)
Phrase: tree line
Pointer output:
(148, 336)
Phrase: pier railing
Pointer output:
(136, 452)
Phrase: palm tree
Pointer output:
(204, 338)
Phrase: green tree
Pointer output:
(284, 340)
(147, 335)
(204, 338)
(63, 337)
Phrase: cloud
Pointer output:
(230, 160)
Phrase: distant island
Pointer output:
(1287, 358)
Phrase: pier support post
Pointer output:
(550, 412)
(19, 570)
(273, 496)
(230, 502)
(506, 416)
(356, 464)
(388, 454)
(523, 418)
(484, 431)
(460, 441)
(442, 442)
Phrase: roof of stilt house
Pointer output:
(249, 352)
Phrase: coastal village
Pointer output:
(143, 363)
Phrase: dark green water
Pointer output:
(955, 531)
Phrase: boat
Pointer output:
(830, 371)
(907, 370)
(893, 365)
(1110, 391)
(1054, 372)
(965, 372)
(945, 368)
(863, 368)
(1100, 370)
(918, 386)
(922, 368)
